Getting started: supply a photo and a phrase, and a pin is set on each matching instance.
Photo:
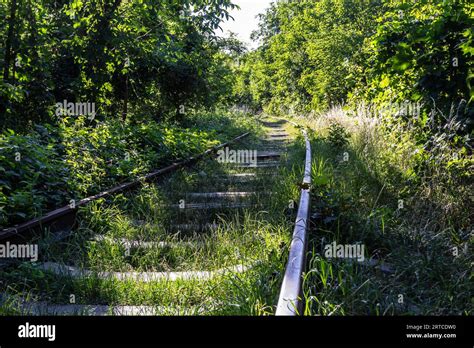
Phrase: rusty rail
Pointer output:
(290, 302)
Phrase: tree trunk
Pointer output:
(9, 42)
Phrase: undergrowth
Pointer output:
(410, 207)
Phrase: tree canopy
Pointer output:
(315, 54)
(160, 55)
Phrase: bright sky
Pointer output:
(245, 19)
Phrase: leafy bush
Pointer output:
(337, 135)
(32, 175)
(76, 159)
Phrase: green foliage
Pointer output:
(31, 177)
(74, 160)
(337, 135)
(310, 53)
(318, 54)
(121, 55)
(409, 242)
(422, 50)
(145, 65)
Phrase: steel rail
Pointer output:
(67, 211)
(290, 302)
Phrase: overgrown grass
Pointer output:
(257, 237)
(413, 216)
(45, 169)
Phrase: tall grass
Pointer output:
(407, 202)
(257, 237)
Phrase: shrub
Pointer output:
(77, 159)
(338, 137)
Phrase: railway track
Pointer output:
(181, 245)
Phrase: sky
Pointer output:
(245, 19)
